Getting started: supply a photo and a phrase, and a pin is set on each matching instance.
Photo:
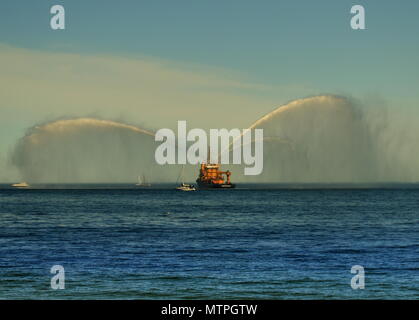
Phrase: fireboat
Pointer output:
(211, 177)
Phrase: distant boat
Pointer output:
(20, 185)
(142, 182)
(186, 187)
(211, 177)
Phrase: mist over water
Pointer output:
(334, 139)
(88, 150)
(319, 139)
(328, 139)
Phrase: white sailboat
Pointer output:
(184, 186)
(142, 182)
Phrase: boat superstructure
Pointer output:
(210, 176)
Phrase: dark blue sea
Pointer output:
(247, 243)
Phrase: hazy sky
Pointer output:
(155, 62)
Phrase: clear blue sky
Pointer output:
(278, 42)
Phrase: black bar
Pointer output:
(207, 309)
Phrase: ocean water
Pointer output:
(247, 243)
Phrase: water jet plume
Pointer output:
(87, 150)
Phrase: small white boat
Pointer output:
(20, 185)
(142, 182)
(186, 187)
